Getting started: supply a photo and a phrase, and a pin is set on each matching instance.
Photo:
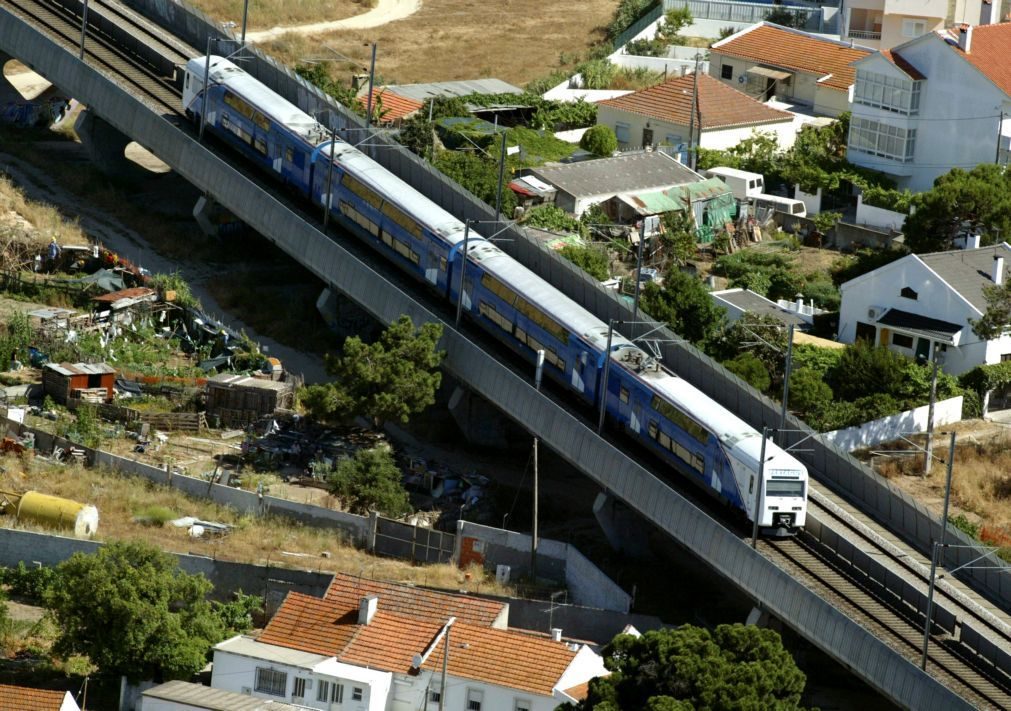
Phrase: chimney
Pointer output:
(972, 241)
(998, 271)
(367, 609)
(556, 634)
(800, 302)
(965, 38)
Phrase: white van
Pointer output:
(783, 204)
(742, 184)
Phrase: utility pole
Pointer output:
(245, 16)
(501, 174)
(691, 119)
(328, 203)
(372, 75)
(947, 487)
(533, 537)
(638, 270)
(1000, 134)
(463, 269)
(930, 416)
(84, 27)
(603, 383)
(787, 368)
(207, 79)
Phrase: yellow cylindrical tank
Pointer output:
(58, 513)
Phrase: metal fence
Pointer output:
(639, 25)
(417, 544)
(805, 18)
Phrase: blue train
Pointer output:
(671, 418)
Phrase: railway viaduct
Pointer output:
(867, 613)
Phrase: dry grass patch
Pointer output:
(513, 40)
(39, 221)
(265, 14)
(130, 509)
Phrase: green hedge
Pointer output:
(984, 378)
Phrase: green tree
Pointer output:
(593, 260)
(478, 175)
(370, 481)
(678, 236)
(676, 19)
(997, 318)
(784, 18)
(978, 200)
(761, 335)
(751, 370)
(391, 379)
(683, 303)
(131, 610)
(318, 73)
(732, 667)
(808, 390)
(600, 140)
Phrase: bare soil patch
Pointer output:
(270, 13)
(513, 40)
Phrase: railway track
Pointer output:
(63, 23)
(883, 613)
(816, 566)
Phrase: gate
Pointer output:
(415, 543)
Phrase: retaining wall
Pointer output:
(892, 427)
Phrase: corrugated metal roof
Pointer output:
(246, 381)
(206, 697)
(621, 174)
(80, 368)
(420, 92)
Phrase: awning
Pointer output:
(931, 328)
(776, 74)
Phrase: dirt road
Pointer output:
(384, 11)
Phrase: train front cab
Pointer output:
(784, 500)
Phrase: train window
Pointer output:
(489, 312)
(653, 429)
(225, 122)
(402, 219)
(361, 190)
(664, 440)
(751, 485)
(289, 155)
(443, 264)
(680, 419)
(360, 219)
(239, 105)
(775, 487)
(623, 395)
(261, 145)
(405, 251)
(698, 463)
(521, 335)
(499, 289)
(387, 239)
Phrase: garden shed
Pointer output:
(93, 382)
(239, 400)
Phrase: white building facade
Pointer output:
(923, 306)
(883, 24)
(924, 108)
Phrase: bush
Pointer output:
(887, 198)
(29, 583)
(625, 15)
(808, 391)
(964, 525)
(597, 73)
(553, 219)
(370, 481)
(751, 370)
(155, 515)
(600, 140)
(592, 260)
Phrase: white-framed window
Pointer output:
(622, 132)
(889, 93)
(914, 28)
(475, 697)
(271, 681)
(298, 690)
(356, 693)
(330, 692)
(881, 139)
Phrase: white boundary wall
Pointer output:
(894, 426)
(878, 216)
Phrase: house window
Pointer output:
(622, 132)
(902, 341)
(913, 28)
(880, 139)
(299, 688)
(474, 699)
(1005, 357)
(866, 332)
(908, 293)
(330, 692)
(434, 696)
(889, 93)
(356, 693)
(271, 681)
(727, 71)
(522, 705)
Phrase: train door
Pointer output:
(435, 265)
(635, 415)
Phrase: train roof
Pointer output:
(736, 435)
(561, 308)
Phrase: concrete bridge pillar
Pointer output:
(10, 96)
(215, 220)
(757, 617)
(105, 145)
(623, 529)
(481, 423)
(345, 317)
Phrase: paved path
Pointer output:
(384, 11)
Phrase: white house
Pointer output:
(663, 114)
(883, 24)
(938, 102)
(767, 61)
(922, 305)
(371, 646)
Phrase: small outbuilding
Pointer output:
(240, 400)
(92, 382)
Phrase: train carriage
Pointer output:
(667, 415)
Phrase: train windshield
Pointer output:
(778, 487)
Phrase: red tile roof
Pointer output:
(395, 106)
(989, 52)
(792, 49)
(23, 698)
(903, 64)
(719, 105)
(579, 691)
(389, 642)
(415, 602)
